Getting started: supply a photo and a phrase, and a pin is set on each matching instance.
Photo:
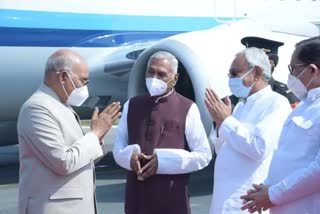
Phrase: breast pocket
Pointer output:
(302, 122)
(67, 193)
(306, 130)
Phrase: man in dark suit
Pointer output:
(270, 47)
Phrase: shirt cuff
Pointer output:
(274, 195)
(94, 143)
(227, 126)
(170, 161)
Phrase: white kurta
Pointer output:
(245, 146)
(170, 161)
(294, 174)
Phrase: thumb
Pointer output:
(95, 114)
(227, 101)
(256, 186)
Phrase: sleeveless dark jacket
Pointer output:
(158, 122)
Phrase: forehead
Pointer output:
(81, 69)
(239, 63)
(160, 64)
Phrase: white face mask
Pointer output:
(155, 86)
(238, 88)
(297, 87)
(78, 95)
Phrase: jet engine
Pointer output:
(204, 60)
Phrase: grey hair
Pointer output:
(257, 57)
(168, 56)
(56, 63)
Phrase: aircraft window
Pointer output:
(134, 54)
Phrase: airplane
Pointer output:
(117, 37)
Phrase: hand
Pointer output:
(219, 110)
(258, 199)
(101, 123)
(256, 188)
(135, 162)
(150, 168)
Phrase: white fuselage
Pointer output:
(105, 31)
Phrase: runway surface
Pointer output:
(110, 183)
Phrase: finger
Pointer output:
(208, 98)
(207, 95)
(249, 205)
(251, 191)
(211, 96)
(148, 165)
(244, 201)
(115, 117)
(148, 157)
(208, 104)
(227, 101)
(138, 167)
(135, 163)
(246, 197)
(257, 187)
(107, 109)
(95, 113)
(147, 173)
(114, 109)
(255, 209)
(215, 95)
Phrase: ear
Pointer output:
(258, 72)
(176, 77)
(314, 68)
(62, 76)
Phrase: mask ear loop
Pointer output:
(311, 79)
(63, 88)
(245, 76)
(71, 81)
(247, 73)
(170, 81)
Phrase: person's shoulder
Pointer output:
(32, 106)
(138, 98)
(183, 98)
(278, 100)
(35, 99)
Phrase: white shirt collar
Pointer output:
(313, 94)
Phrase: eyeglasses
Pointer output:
(292, 67)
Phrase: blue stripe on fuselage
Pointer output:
(37, 37)
(41, 28)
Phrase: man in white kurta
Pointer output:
(293, 183)
(244, 141)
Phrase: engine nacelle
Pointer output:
(204, 60)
